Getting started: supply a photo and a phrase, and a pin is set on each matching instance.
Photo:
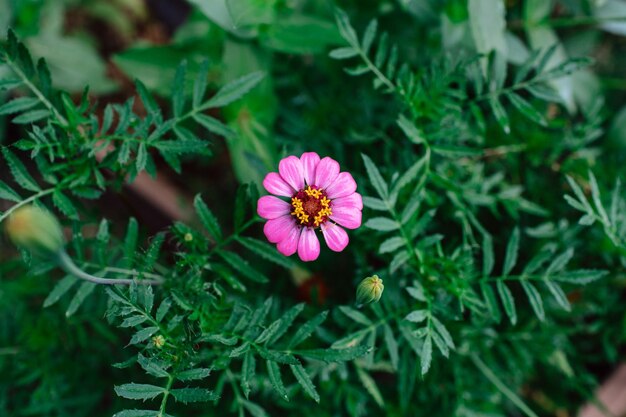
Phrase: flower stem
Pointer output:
(70, 267)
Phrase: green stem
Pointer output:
(26, 201)
(501, 386)
(70, 267)
(166, 394)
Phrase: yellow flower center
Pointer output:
(311, 207)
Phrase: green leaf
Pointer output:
(208, 219)
(193, 395)
(213, 125)
(559, 295)
(307, 329)
(507, 301)
(355, 315)
(343, 53)
(7, 193)
(417, 316)
(31, 116)
(391, 244)
(65, 205)
(21, 176)
(243, 267)
(488, 257)
(392, 345)
(368, 36)
(276, 356)
(286, 320)
(375, 203)
(152, 367)
(163, 309)
(490, 300)
(178, 89)
(410, 130)
(85, 289)
(512, 249)
(382, 224)
(527, 109)
(535, 299)
(441, 329)
(199, 85)
(580, 276)
(254, 409)
(500, 115)
(143, 334)
(597, 201)
(409, 176)
(136, 413)
(559, 262)
(277, 382)
(426, 355)
(60, 289)
(130, 242)
(17, 105)
(139, 391)
(377, 180)
(305, 381)
(193, 374)
(269, 332)
(142, 157)
(336, 355)
(370, 385)
(146, 98)
(234, 90)
(266, 251)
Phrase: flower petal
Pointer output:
(343, 185)
(309, 245)
(326, 172)
(270, 207)
(309, 162)
(350, 218)
(336, 238)
(291, 171)
(278, 229)
(352, 201)
(274, 184)
(289, 244)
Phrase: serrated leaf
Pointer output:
(500, 115)
(488, 256)
(65, 205)
(355, 315)
(7, 193)
(441, 329)
(376, 179)
(426, 355)
(200, 84)
(60, 289)
(273, 371)
(266, 251)
(163, 309)
(146, 99)
(512, 249)
(152, 367)
(375, 203)
(307, 329)
(392, 345)
(243, 267)
(391, 244)
(507, 301)
(31, 117)
(254, 409)
(417, 316)
(535, 299)
(178, 89)
(133, 321)
(234, 90)
(369, 35)
(193, 374)
(213, 125)
(143, 334)
(17, 105)
(580, 276)
(134, 391)
(559, 295)
(382, 224)
(19, 172)
(370, 386)
(142, 157)
(269, 332)
(527, 109)
(595, 196)
(559, 262)
(409, 176)
(336, 355)
(286, 320)
(85, 289)
(136, 413)
(491, 301)
(305, 381)
(208, 219)
(280, 357)
(193, 395)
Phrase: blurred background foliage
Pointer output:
(501, 153)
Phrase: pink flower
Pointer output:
(319, 196)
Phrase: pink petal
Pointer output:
(343, 185)
(309, 245)
(309, 162)
(291, 171)
(270, 207)
(289, 244)
(274, 184)
(326, 172)
(349, 218)
(353, 201)
(336, 238)
(277, 230)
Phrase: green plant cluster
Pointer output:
(486, 142)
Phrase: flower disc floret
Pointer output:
(309, 193)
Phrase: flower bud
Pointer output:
(158, 341)
(35, 229)
(369, 290)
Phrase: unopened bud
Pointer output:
(369, 290)
(36, 230)
(158, 341)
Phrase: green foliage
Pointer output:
(498, 294)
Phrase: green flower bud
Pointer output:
(35, 229)
(369, 290)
